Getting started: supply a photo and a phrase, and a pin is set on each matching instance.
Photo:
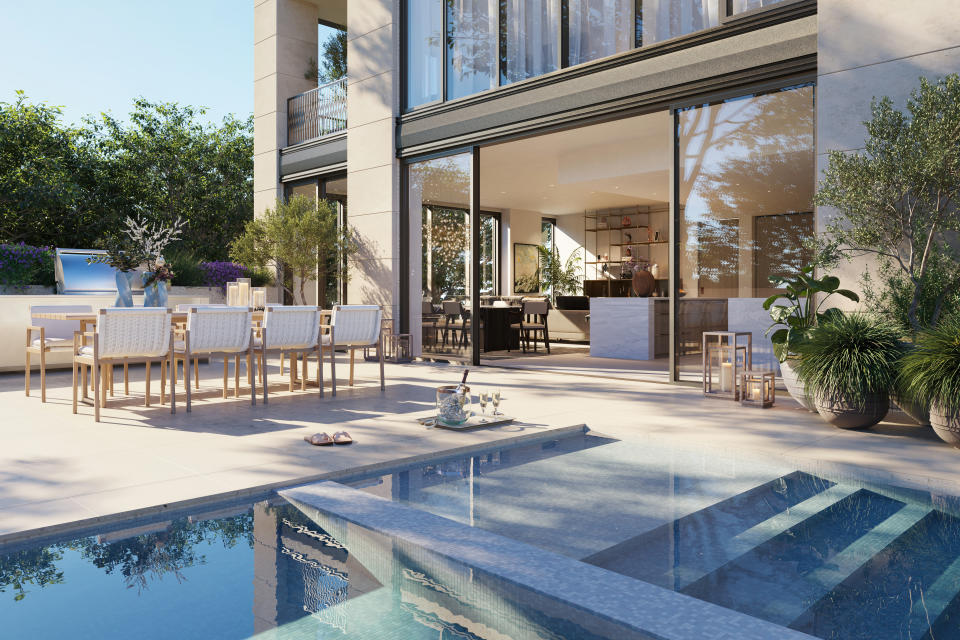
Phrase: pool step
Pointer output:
(908, 589)
(680, 552)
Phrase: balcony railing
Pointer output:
(317, 112)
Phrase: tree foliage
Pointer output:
(334, 57)
(74, 186)
(898, 199)
(302, 236)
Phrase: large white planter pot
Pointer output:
(946, 425)
(917, 412)
(843, 414)
(795, 386)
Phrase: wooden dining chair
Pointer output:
(218, 331)
(533, 320)
(45, 336)
(128, 335)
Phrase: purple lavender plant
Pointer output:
(22, 265)
(218, 274)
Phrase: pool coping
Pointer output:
(80, 527)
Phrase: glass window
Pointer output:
(439, 195)
(745, 201)
(665, 19)
(306, 188)
(599, 28)
(489, 254)
(529, 45)
(739, 6)
(424, 51)
(471, 46)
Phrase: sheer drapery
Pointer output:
(531, 45)
(424, 51)
(599, 28)
(665, 19)
(739, 6)
(471, 46)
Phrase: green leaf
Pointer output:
(780, 313)
(779, 336)
(829, 284)
(846, 293)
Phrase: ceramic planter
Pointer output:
(919, 413)
(795, 386)
(946, 424)
(841, 413)
(124, 288)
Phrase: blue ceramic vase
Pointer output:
(124, 288)
(154, 295)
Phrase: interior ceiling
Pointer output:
(615, 164)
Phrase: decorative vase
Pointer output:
(915, 410)
(945, 424)
(840, 412)
(124, 288)
(154, 295)
(795, 386)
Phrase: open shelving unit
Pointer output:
(620, 234)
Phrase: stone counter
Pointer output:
(624, 327)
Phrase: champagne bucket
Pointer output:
(453, 406)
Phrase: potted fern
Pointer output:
(930, 376)
(849, 363)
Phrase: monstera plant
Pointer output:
(794, 318)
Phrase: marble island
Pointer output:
(629, 328)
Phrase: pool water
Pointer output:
(844, 560)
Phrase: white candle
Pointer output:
(232, 294)
(726, 376)
(243, 294)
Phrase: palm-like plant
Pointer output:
(850, 356)
(557, 276)
(930, 371)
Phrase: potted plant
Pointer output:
(556, 276)
(794, 320)
(849, 362)
(930, 376)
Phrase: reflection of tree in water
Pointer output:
(138, 559)
(745, 158)
(36, 567)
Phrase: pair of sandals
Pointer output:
(323, 440)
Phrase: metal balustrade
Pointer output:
(317, 112)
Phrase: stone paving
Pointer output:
(58, 469)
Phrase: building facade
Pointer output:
(670, 146)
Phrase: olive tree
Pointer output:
(898, 199)
(300, 235)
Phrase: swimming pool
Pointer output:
(833, 559)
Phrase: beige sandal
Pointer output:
(319, 439)
(342, 437)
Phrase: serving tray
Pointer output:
(472, 423)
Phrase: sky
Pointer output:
(90, 56)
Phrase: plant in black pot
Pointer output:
(930, 376)
(793, 321)
(849, 362)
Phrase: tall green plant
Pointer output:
(557, 276)
(802, 312)
(300, 235)
(898, 199)
(930, 372)
(850, 355)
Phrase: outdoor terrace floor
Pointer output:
(57, 468)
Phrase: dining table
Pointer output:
(496, 333)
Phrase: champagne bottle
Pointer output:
(463, 382)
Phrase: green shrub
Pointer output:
(852, 356)
(186, 269)
(260, 277)
(930, 371)
(22, 265)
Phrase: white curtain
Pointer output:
(665, 19)
(472, 43)
(532, 38)
(599, 28)
(424, 51)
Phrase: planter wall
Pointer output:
(946, 425)
(29, 290)
(843, 414)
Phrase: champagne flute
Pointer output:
(484, 398)
(496, 402)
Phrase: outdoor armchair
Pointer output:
(138, 334)
(45, 336)
(217, 331)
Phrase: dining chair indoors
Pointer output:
(533, 320)
(130, 335)
(46, 336)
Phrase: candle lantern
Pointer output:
(243, 292)
(724, 358)
(757, 388)
(258, 298)
(233, 294)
